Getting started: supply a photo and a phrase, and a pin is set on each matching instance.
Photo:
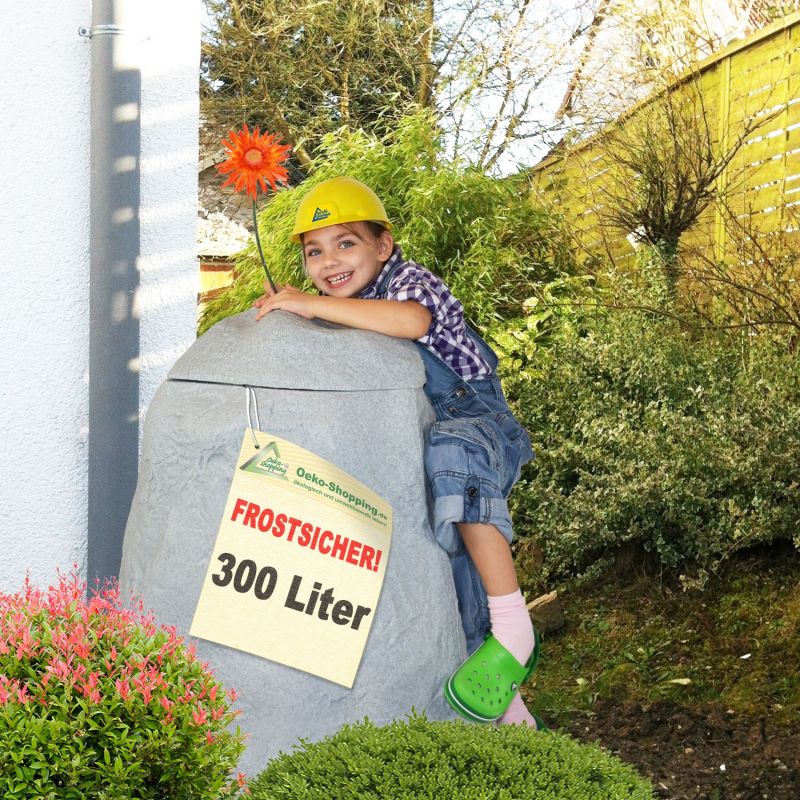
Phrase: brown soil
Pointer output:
(690, 755)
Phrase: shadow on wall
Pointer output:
(114, 322)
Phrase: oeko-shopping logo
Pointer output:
(267, 461)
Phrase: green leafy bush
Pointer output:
(420, 759)
(96, 701)
(652, 439)
(482, 236)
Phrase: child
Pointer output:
(475, 449)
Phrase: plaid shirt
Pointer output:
(447, 338)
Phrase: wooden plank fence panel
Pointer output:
(776, 142)
(758, 80)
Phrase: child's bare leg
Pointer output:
(491, 555)
(508, 613)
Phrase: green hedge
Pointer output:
(419, 759)
(483, 236)
(687, 447)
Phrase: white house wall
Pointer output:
(44, 248)
(44, 252)
(170, 124)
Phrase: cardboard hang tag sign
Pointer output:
(298, 563)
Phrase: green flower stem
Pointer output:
(260, 251)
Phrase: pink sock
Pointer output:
(511, 624)
(517, 713)
(512, 627)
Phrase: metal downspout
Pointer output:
(114, 280)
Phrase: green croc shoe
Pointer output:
(482, 688)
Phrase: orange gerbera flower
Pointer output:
(254, 159)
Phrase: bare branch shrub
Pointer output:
(665, 160)
(756, 285)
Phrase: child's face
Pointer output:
(342, 260)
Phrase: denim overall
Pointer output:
(473, 456)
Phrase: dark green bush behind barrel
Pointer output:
(678, 446)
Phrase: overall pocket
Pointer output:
(448, 437)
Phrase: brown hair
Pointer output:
(375, 228)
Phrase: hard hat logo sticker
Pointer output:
(320, 214)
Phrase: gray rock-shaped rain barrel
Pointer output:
(354, 398)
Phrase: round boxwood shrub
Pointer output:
(418, 759)
(96, 701)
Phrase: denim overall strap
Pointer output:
(450, 395)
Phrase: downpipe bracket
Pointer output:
(100, 30)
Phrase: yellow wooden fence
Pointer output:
(755, 78)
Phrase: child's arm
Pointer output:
(405, 320)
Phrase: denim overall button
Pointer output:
(472, 491)
(461, 391)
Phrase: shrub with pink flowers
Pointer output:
(97, 701)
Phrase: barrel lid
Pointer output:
(284, 351)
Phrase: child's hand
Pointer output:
(287, 299)
(267, 294)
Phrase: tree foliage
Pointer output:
(307, 67)
(667, 158)
(755, 284)
(303, 68)
(500, 67)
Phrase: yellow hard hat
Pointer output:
(335, 201)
